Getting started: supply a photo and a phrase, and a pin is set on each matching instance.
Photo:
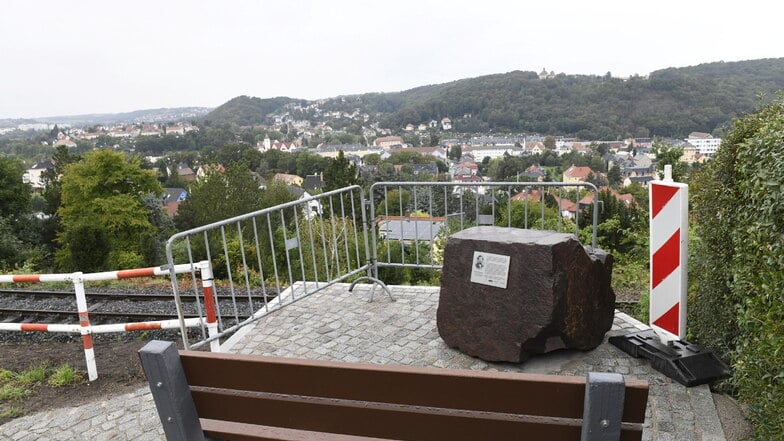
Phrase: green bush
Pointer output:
(736, 303)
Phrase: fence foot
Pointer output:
(375, 282)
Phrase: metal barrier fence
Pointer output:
(280, 254)
(285, 253)
(412, 219)
(84, 327)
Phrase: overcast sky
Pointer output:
(75, 57)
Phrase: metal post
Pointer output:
(170, 391)
(209, 304)
(603, 407)
(84, 323)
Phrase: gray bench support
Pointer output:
(603, 408)
(170, 391)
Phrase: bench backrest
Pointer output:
(283, 398)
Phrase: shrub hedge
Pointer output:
(737, 301)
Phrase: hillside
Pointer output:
(137, 116)
(247, 111)
(670, 102)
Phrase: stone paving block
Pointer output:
(401, 332)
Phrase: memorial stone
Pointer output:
(509, 293)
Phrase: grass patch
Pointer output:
(64, 375)
(10, 392)
(33, 375)
(15, 386)
(11, 412)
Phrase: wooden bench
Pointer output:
(203, 395)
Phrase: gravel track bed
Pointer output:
(226, 308)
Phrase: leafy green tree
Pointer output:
(736, 307)
(372, 159)
(310, 164)
(667, 154)
(219, 196)
(104, 222)
(391, 205)
(340, 173)
(614, 177)
(455, 152)
(14, 193)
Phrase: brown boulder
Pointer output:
(532, 292)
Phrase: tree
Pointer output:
(549, 142)
(340, 173)
(104, 222)
(309, 163)
(614, 177)
(14, 213)
(455, 152)
(667, 154)
(738, 310)
(219, 196)
(14, 192)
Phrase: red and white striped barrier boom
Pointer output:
(669, 234)
(84, 327)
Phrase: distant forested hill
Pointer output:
(670, 102)
(247, 111)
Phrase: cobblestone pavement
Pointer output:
(338, 325)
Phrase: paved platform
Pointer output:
(337, 325)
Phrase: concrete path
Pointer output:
(338, 325)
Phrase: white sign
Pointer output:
(490, 269)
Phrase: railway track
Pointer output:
(37, 306)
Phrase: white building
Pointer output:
(479, 153)
(706, 144)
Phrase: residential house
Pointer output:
(533, 148)
(566, 207)
(66, 141)
(185, 172)
(493, 152)
(171, 199)
(706, 144)
(386, 142)
(267, 145)
(625, 199)
(34, 174)
(313, 183)
(637, 168)
(534, 173)
(312, 208)
(430, 169)
(446, 124)
(436, 152)
(576, 174)
(207, 169)
(150, 130)
(288, 179)
(465, 169)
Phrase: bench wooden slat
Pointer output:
(381, 420)
(545, 395)
(231, 431)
